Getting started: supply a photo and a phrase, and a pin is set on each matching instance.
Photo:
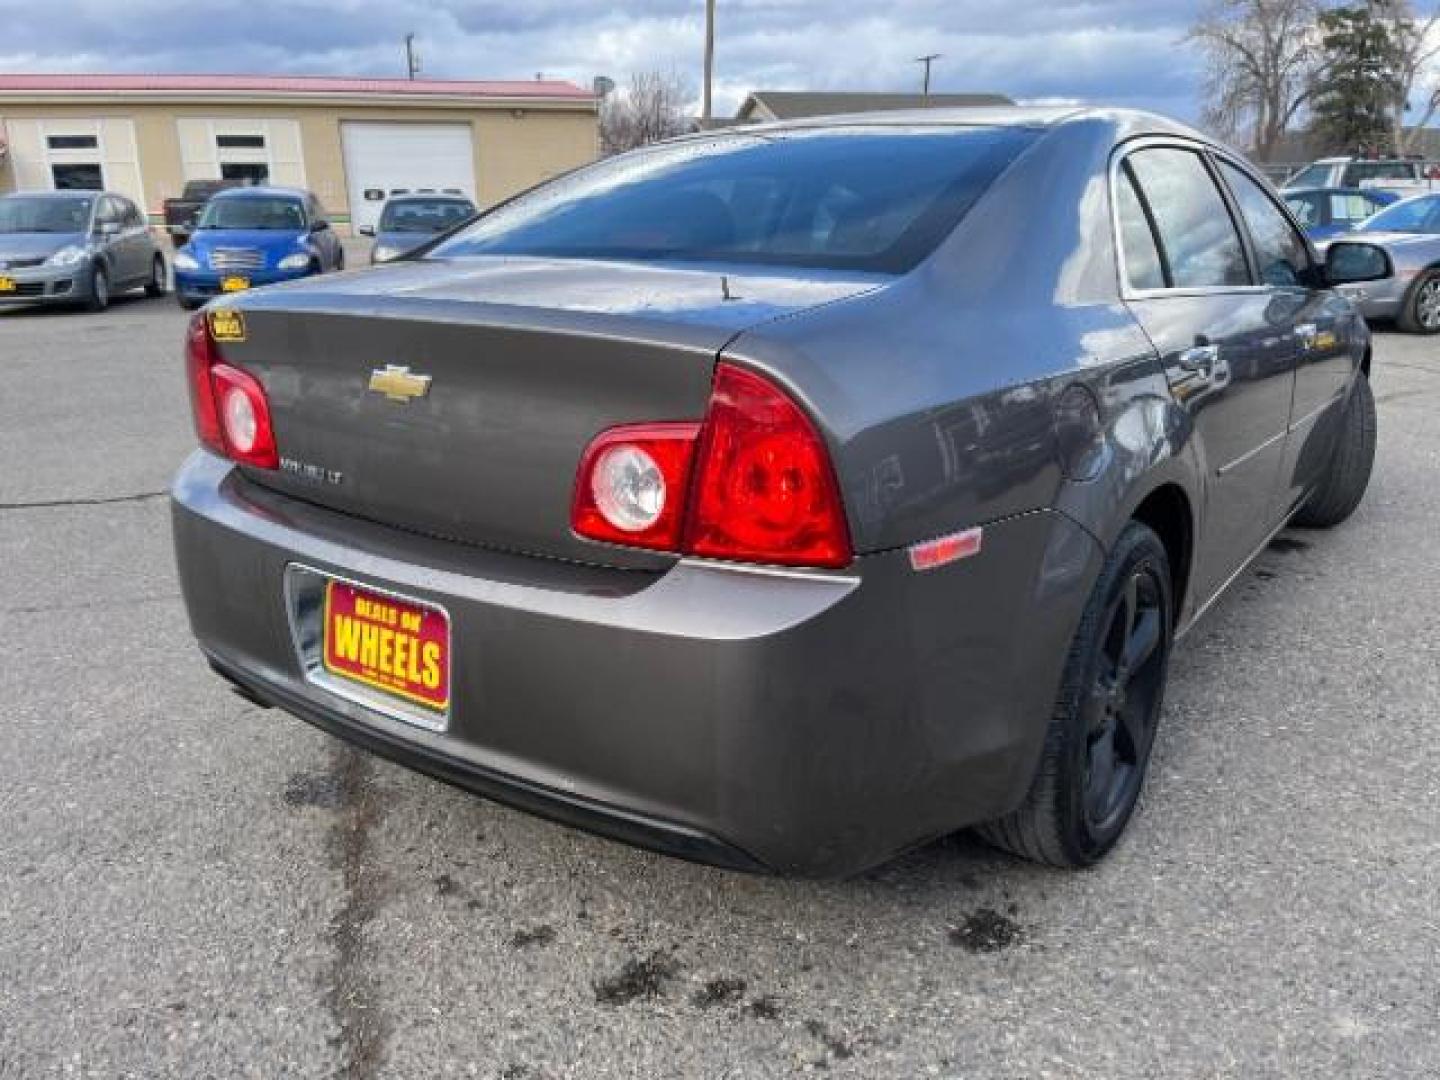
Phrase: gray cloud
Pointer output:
(1117, 51)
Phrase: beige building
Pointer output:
(351, 141)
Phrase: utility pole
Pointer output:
(705, 111)
(412, 62)
(927, 61)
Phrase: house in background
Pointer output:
(351, 141)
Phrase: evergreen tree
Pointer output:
(1361, 75)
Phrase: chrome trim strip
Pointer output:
(1314, 414)
(1243, 458)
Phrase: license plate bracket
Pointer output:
(371, 645)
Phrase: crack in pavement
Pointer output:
(92, 605)
(351, 993)
(104, 500)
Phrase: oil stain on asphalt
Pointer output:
(721, 991)
(986, 930)
(638, 979)
(534, 937)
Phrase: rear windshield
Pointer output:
(21, 215)
(254, 212)
(866, 198)
(1310, 176)
(1413, 216)
(424, 215)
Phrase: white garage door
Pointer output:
(384, 159)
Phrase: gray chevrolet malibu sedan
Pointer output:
(785, 497)
(75, 248)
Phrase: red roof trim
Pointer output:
(293, 84)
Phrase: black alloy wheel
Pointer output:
(1098, 741)
(1122, 705)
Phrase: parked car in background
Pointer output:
(1402, 175)
(786, 496)
(182, 213)
(408, 221)
(1327, 212)
(72, 247)
(1409, 232)
(252, 236)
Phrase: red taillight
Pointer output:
(200, 357)
(764, 489)
(632, 485)
(232, 415)
(755, 477)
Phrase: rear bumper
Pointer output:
(809, 724)
(1379, 300)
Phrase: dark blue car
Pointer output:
(248, 237)
(1327, 212)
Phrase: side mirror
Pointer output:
(320, 226)
(367, 230)
(1348, 262)
(109, 228)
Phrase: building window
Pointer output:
(72, 142)
(252, 173)
(87, 177)
(240, 142)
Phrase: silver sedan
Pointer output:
(1409, 231)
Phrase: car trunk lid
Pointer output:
(493, 377)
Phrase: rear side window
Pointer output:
(1280, 253)
(866, 198)
(1357, 173)
(1143, 266)
(1198, 237)
(1306, 208)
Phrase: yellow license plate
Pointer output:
(234, 284)
(7, 284)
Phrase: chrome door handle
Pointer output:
(1200, 358)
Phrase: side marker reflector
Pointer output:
(933, 554)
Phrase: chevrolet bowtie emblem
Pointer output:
(398, 383)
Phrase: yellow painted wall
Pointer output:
(514, 148)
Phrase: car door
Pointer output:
(139, 245)
(1226, 346)
(1320, 333)
(109, 230)
(323, 234)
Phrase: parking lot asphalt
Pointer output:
(194, 887)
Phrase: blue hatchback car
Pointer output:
(254, 236)
(1327, 212)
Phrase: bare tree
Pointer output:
(1416, 40)
(1262, 60)
(650, 108)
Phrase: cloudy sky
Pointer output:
(1118, 51)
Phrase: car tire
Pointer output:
(1098, 742)
(187, 304)
(99, 298)
(1420, 314)
(340, 260)
(1345, 481)
(158, 282)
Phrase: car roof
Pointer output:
(257, 191)
(431, 196)
(72, 194)
(1378, 192)
(1131, 121)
